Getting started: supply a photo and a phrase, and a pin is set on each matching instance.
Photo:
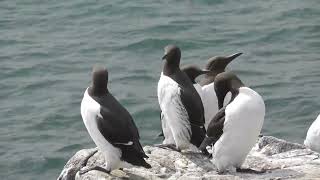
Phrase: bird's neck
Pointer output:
(235, 89)
(97, 91)
(209, 78)
(234, 94)
(169, 69)
(213, 74)
(235, 85)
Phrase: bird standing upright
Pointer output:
(181, 105)
(110, 126)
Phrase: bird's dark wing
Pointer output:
(190, 98)
(193, 105)
(215, 129)
(123, 134)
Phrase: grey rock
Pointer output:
(270, 145)
(280, 159)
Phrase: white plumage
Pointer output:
(312, 140)
(90, 109)
(210, 103)
(175, 123)
(199, 90)
(244, 118)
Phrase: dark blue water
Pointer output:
(48, 48)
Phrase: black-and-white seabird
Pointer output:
(312, 140)
(192, 72)
(236, 127)
(181, 105)
(215, 65)
(110, 126)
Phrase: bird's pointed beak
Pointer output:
(205, 71)
(206, 142)
(164, 57)
(233, 56)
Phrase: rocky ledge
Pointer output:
(280, 159)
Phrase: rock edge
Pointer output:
(280, 159)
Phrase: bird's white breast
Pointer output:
(210, 103)
(175, 122)
(312, 140)
(244, 118)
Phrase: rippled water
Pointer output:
(48, 48)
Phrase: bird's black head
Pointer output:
(193, 72)
(99, 81)
(219, 63)
(225, 82)
(172, 55)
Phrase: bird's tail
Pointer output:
(206, 142)
(146, 165)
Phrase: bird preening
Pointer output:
(212, 114)
(235, 128)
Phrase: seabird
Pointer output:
(192, 72)
(235, 128)
(215, 65)
(312, 140)
(110, 126)
(181, 106)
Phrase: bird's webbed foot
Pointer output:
(168, 146)
(98, 168)
(251, 171)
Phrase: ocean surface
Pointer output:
(48, 49)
